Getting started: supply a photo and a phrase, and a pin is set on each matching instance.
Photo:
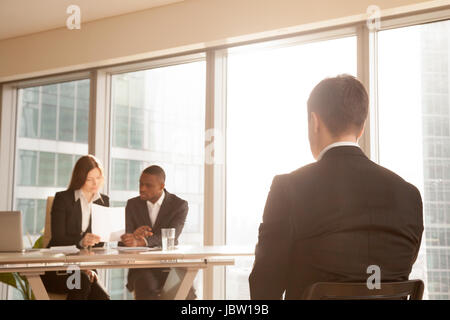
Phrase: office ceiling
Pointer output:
(22, 17)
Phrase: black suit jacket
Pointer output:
(172, 214)
(66, 219)
(330, 220)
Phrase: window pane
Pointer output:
(82, 111)
(135, 169)
(83, 87)
(40, 218)
(118, 281)
(30, 113)
(267, 131)
(46, 145)
(46, 169)
(120, 131)
(28, 208)
(137, 118)
(119, 174)
(158, 117)
(65, 165)
(414, 136)
(49, 111)
(66, 111)
(28, 167)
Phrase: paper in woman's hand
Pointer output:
(108, 223)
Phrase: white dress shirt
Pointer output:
(85, 208)
(153, 208)
(336, 144)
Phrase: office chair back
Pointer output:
(48, 223)
(46, 240)
(406, 290)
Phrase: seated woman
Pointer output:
(71, 225)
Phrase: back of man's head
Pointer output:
(342, 103)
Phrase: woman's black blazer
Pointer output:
(66, 219)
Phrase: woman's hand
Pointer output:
(90, 240)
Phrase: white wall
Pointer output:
(191, 24)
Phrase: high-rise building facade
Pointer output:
(435, 54)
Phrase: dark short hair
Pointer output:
(156, 171)
(81, 170)
(341, 102)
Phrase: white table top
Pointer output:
(100, 255)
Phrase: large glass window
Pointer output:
(52, 135)
(414, 134)
(267, 131)
(158, 118)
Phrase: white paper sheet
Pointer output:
(133, 249)
(65, 249)
(108, 223)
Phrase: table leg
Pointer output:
(178, 283)
(35, 281)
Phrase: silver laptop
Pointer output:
(11, 231)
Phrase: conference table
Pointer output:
(184, 263)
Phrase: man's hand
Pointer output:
(92, 275)
(129, 240)
(90, 240)
(143, 232)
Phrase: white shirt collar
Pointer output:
(79, 194)
(159, 202)
(334, 145)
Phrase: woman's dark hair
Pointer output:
(81, 170)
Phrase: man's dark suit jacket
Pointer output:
(330, 220)
(66, 219)
(172, 214)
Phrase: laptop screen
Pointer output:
(11, 231)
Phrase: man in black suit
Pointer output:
(332, 219)
(146, 215)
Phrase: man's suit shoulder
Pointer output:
(304, 174)
(169, 196)
(305, 170)
(176, 199)
(394, 177)
(308, 175)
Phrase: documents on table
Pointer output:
(108, 223)
(64, 249)
(133, 249)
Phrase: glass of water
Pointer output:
(168, 239)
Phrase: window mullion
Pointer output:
(215, 168)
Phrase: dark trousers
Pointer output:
(147, 284)
(57, 283)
